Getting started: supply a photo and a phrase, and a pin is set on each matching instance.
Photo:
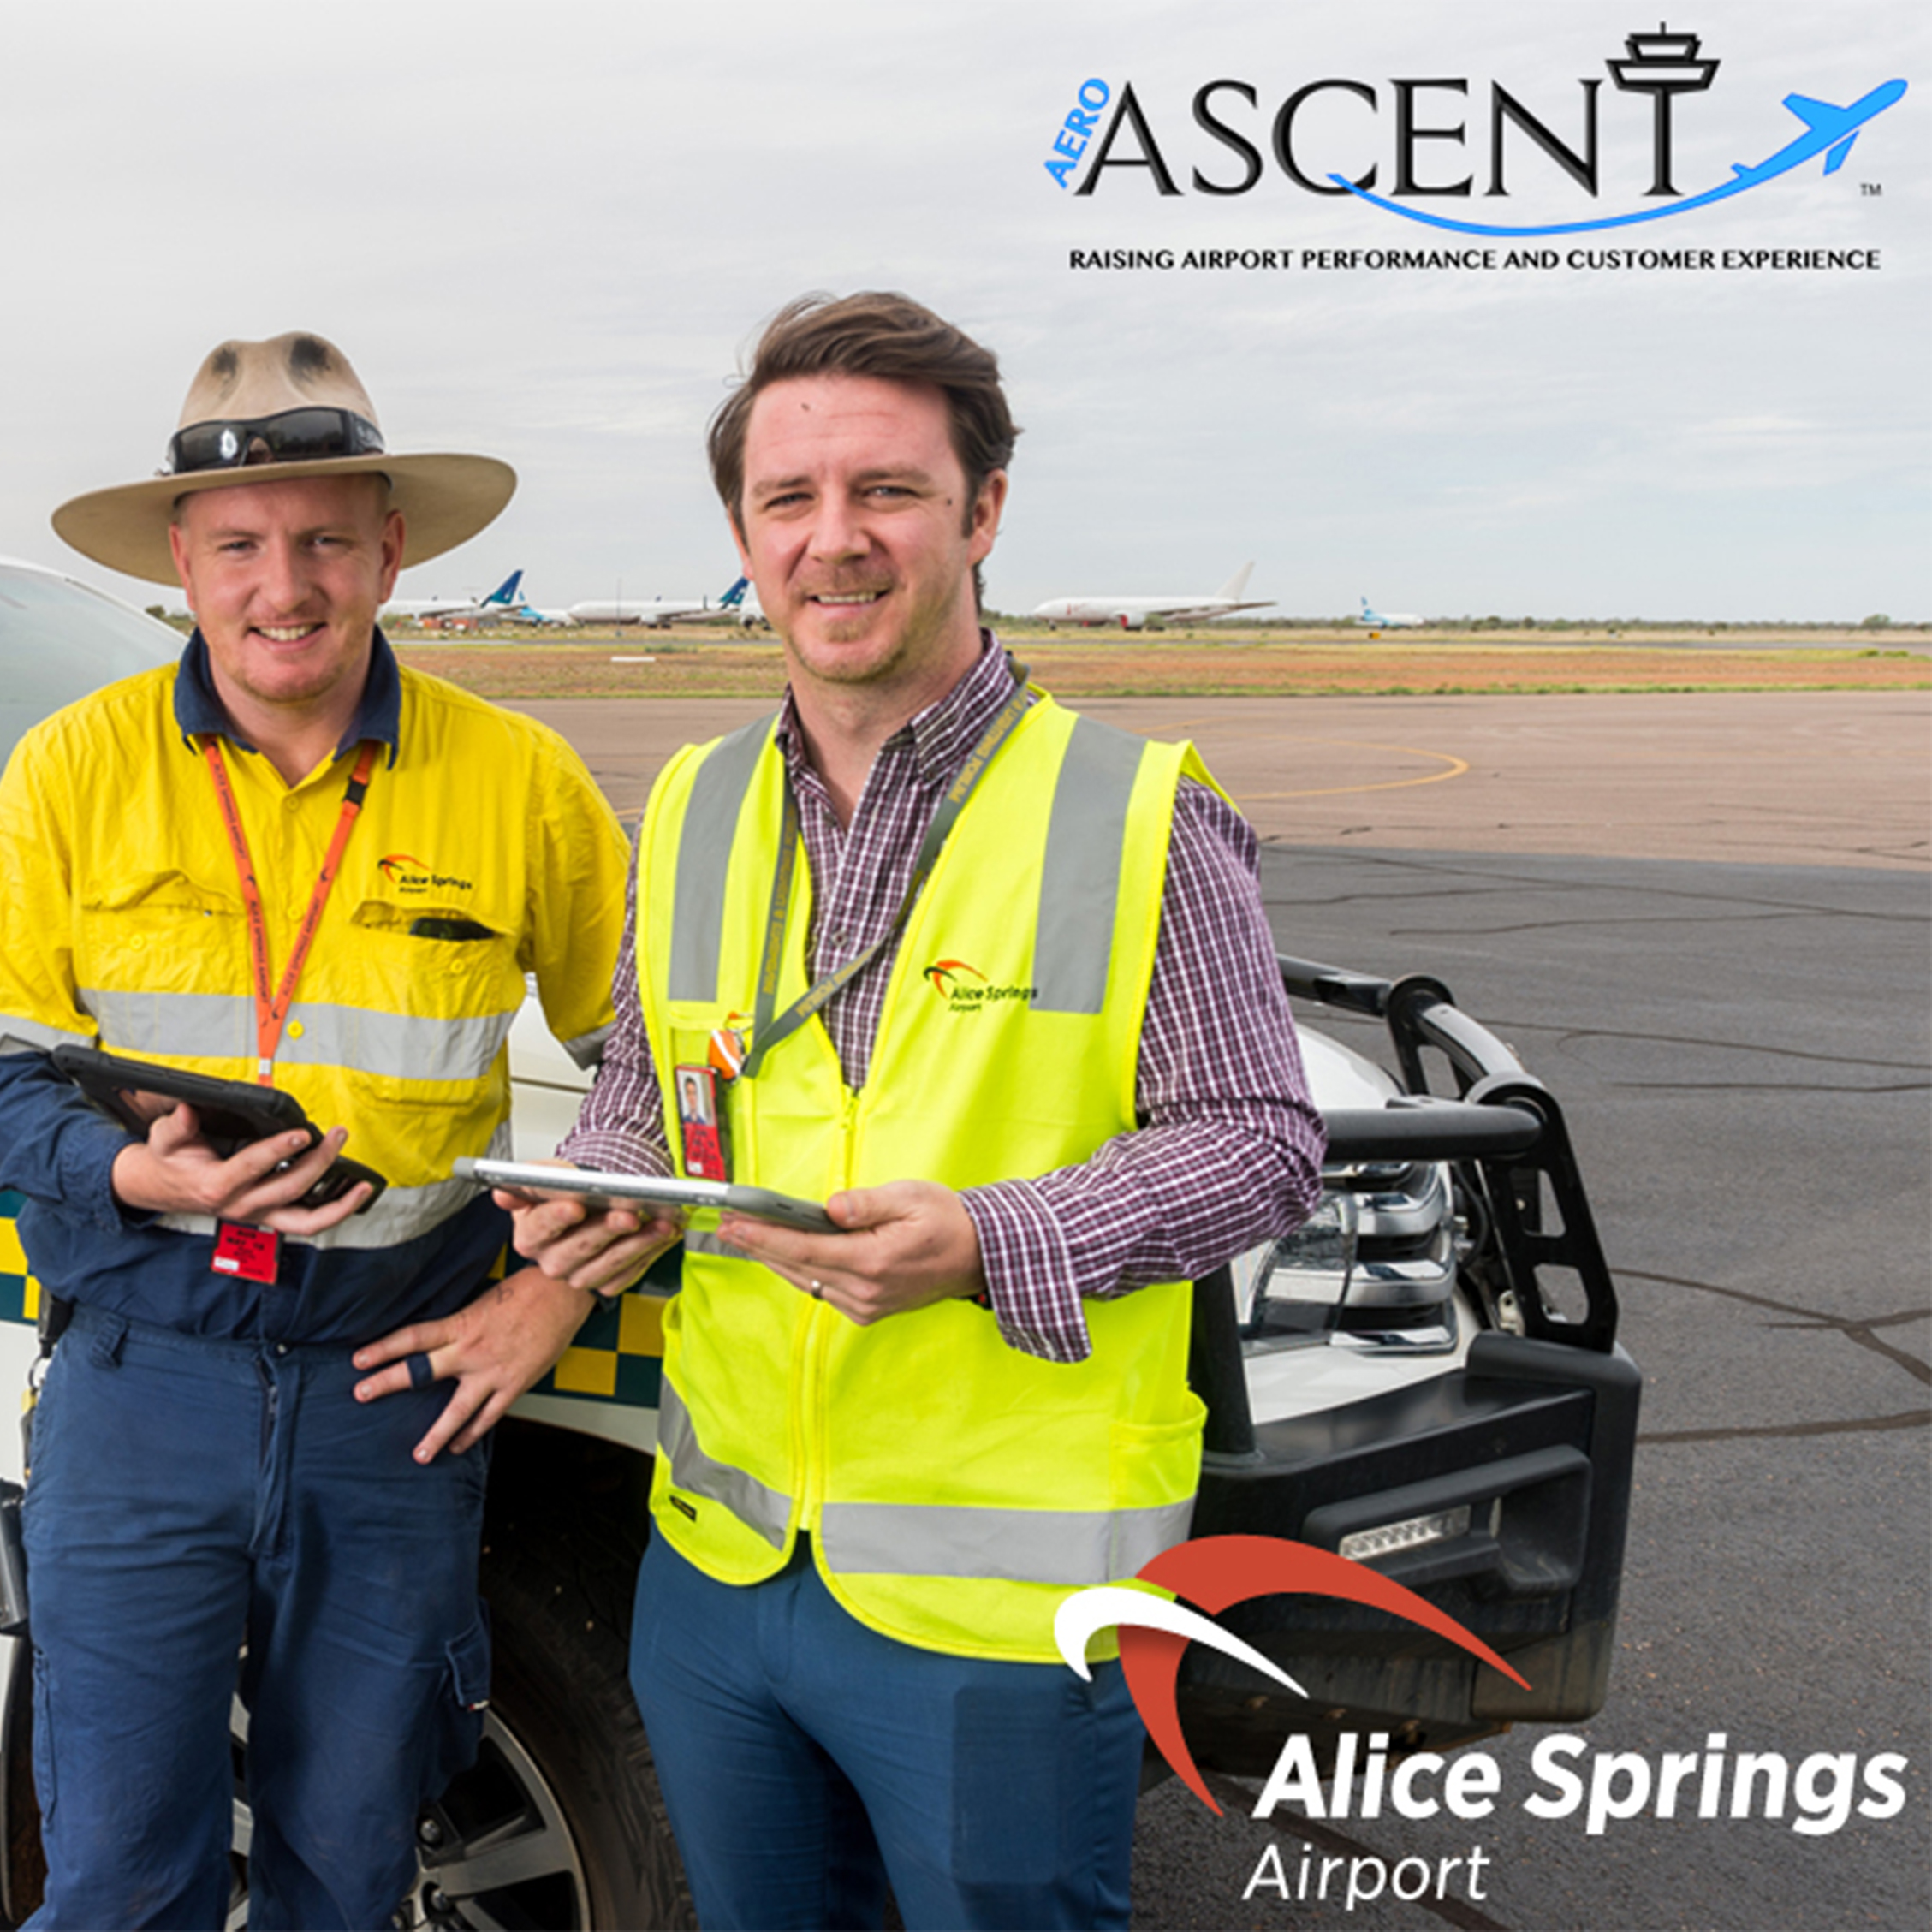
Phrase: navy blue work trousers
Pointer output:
(806, 1760)
(189, 1497)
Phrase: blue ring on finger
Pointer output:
(421, 1374)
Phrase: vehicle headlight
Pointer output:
(1292, 1286)
(1374, 1265)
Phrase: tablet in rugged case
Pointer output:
(700, 1202)
(233, 1114)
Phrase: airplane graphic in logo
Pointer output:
(1216, 1571)
(394, 865)
(1828, 130)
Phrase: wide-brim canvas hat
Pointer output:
(253, 412)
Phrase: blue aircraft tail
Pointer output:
(505, 592)
(734, 596)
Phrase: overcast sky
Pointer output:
(546, 232)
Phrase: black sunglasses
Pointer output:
(294, 436)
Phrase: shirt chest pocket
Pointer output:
(434, 987)
(156, 932)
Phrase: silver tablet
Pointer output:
(700, 1202)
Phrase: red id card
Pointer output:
(250, 1254)
(701, 1121)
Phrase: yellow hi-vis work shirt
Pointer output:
(955, 1488)
(483, 852)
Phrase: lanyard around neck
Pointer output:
(767, 1032)
(272, 1003)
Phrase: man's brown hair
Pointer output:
(878, 334)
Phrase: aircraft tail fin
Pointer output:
(505, 592)
(734, 596)
(1815, 113)
(1233, 588)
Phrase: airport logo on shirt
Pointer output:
(410, 875)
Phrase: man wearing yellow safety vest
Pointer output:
(290, 862)
(994, 982)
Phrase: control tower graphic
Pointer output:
(1662, 65)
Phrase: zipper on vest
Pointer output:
(819, 1331)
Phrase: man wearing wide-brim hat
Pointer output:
(289, 861)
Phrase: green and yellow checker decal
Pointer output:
(619, 1353)
(617, 1356)
(20, 1294)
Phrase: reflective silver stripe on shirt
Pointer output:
(21, 1035)
(710, 827)
(401, 1214)
(222, 1026)
(1045, 1545)
(1080, 878)
(759, 1509)
(587, 1048)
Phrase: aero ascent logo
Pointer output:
(410, 876)
(1426, 140)
(966, 988)
(1216, 1571)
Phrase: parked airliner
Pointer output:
(1132, 613)
(656, 612)
(502, 605)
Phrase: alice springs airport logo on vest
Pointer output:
(966, 988)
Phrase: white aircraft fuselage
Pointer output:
(1132, 613)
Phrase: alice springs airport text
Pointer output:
(1642, 260)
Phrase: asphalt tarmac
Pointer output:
(1703, 922)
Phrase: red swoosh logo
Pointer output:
(1216, 1572)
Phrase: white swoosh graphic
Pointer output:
(1108, 1605)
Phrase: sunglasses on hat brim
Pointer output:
(294, 436)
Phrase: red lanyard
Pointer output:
(272, 1005)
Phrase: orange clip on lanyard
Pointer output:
(272, 1005)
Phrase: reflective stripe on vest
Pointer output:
(711, 823)
(699, 1475)
(1074, 937)
(1069, 1546)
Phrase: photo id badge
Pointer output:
(707, 1151)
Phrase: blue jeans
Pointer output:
(188, 1497)
(806, 1760)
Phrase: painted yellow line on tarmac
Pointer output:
(1455, 767)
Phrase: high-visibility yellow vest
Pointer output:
(955, 1488)
(483, 852)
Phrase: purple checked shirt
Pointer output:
(1229, 1146)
